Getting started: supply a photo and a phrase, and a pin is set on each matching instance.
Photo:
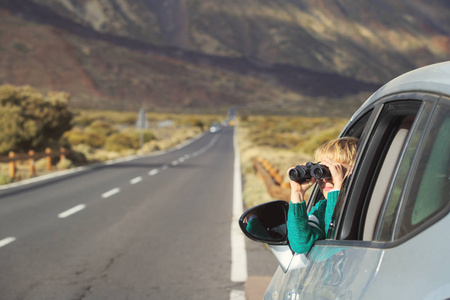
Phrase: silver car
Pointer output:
(389, 237)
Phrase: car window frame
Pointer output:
(435, 101)
(376, 109)
(388, 111)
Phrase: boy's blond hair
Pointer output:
(341, 150)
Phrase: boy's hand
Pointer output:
(298, 190)
(337, 171)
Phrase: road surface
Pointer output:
(151, 227)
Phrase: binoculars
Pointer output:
(302, 174)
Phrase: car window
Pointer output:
(373, 214)
(383, 182)
(426, 194)
(383, 147)
(354, 131)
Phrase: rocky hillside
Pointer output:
(189, 54)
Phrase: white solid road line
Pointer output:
(7, 241)
(136, 180)
(237, 295)
(71, 211)
(153, 172)
(238, 252)
(110, 193)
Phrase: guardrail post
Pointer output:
(48, 159)
(62, 154)
(12, 165)
(31, 163)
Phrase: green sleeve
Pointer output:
(305, 229)
(300, 234)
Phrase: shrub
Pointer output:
(101, 127)
(197, 122)
(30, 120)
(146, 134)
(77, 137)
(5, 179)
(95, 140)
(64, 164)
(120, 141)
(77, 158)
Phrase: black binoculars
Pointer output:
(302, 174)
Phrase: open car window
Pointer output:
(354, 131)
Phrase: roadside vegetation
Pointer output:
(105, 135)
(31, 120)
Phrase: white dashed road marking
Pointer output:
(153, 172)
(110, 193)
(71, 211)
(136, 180)
(7, 241)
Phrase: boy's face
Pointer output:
(326, 185)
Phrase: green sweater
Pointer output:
(304, 229)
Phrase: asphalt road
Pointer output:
(153, 227)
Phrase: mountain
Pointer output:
(307, 56)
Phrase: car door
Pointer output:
(347, 263)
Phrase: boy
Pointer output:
(304, 229)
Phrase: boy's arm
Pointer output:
(303, 231)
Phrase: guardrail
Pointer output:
(13, 157)
(273, 180)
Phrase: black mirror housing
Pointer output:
(266, 223)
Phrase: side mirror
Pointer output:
(266, 223)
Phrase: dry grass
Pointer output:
(92, 129)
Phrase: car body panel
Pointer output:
(423, 261)
(332, 272)
(432, 79)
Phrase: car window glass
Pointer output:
(383, 182)
(430, 188)
(403, 179)
(392, 205)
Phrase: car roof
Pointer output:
(431, 79)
